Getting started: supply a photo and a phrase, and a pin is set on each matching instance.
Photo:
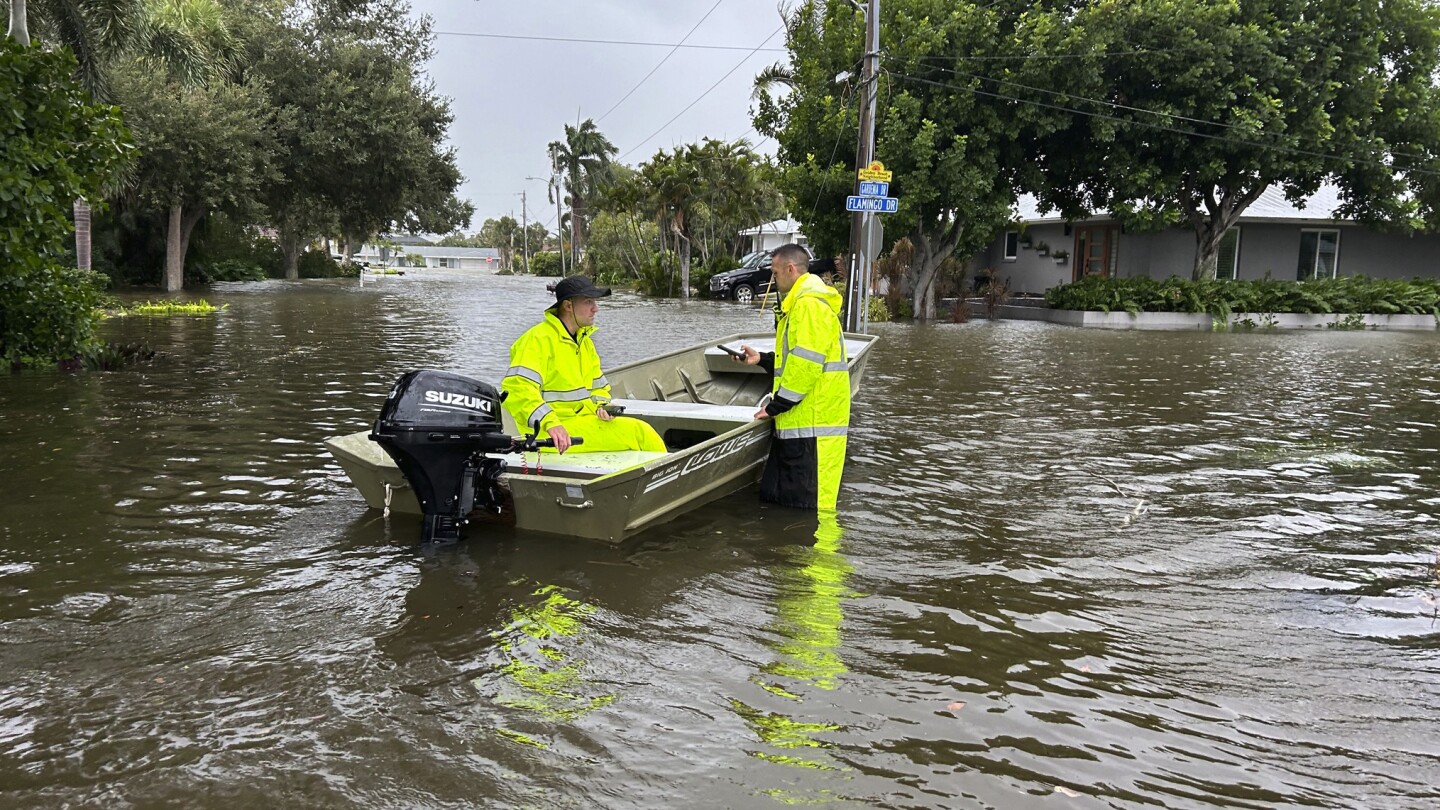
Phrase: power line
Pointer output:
(727, 75)
(1111, 104)
(1118, 106)
(825, 185)
(662, 61)
(1033, 56)
(1163, 128)
(607, 41)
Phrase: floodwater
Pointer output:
(1070, 568)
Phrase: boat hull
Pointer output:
(700, 401)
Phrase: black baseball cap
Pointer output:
(578, 287)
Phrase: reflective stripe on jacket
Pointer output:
(811, 369)
(552, 374)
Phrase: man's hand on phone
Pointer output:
(751, 358)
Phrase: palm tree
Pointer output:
(585, 157)
(19, 30)
(675, 183)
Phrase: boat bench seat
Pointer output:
(583, 464)
(688, 411)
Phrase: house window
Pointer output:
(1012, 245)
(1227, 262)
(1319, 254)
(446, 262)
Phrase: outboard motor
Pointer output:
(437, 426)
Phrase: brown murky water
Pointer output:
(1071, 569)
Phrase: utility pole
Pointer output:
(525, 230)
(857, 284)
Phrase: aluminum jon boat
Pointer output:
(700, 402)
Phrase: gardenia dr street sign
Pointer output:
(874, 186)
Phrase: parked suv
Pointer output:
(750, 279)
(743, 284)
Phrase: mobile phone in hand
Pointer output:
(733, 353)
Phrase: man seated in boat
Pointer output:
(555, 386)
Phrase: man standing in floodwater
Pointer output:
(555, 385)
(810, 394)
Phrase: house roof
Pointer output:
(406, 239)
(440, 252)
(1270, 207)
(436, 251)
(786, 225)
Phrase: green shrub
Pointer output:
(55, 146)
(546, 264)
(49, 315)
(415, 259)
(224, 250)
(700, 277)
(659, 275)
(319, 264)
(234, 270)
(879, 312)
(1352, 294)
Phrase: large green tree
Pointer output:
(503, 234)
(203, 149)
(954, 153)
(360, 130)
(1185, 111)
(204, 139)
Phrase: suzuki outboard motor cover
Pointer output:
(435, 425)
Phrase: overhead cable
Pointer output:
(606, 41)
(662, 61)
(727, 75)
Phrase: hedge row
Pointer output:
(1352, 294)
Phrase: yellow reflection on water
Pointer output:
(807, 619)
(541, 674)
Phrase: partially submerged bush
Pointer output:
(164, 308)
(1352, 294)
(48, 315)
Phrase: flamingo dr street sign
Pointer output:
(874, 190)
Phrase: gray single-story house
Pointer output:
(461, 258)
(1273, 238)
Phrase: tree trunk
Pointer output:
(19, 31)
(177, 244)
(925, 268)
(1207, 251)
(1220, 214)
(82, 234)
(290, 247)
(174, 252)
(682, 241)
(576, 209)
(684, 266)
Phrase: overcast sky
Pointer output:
(511, 97)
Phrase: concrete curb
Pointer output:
(1173, 321)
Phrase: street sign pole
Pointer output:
(875, 240)
(857, 297)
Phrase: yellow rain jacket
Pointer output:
(811, 399)
(555, 379)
